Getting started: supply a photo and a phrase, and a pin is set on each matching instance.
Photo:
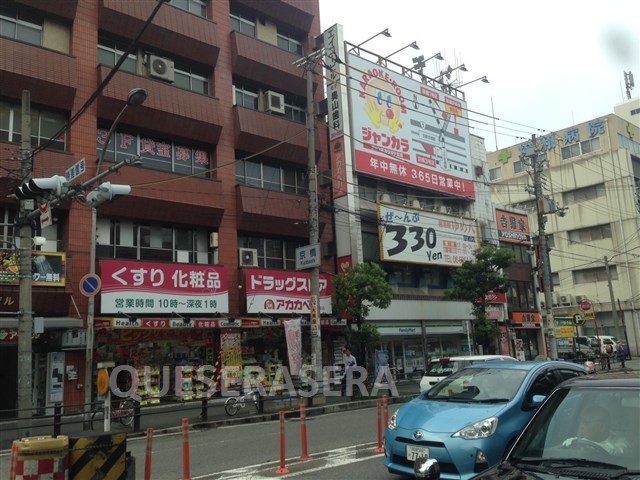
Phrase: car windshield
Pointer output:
(583, 426)
(478, 385)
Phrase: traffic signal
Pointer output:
(43, 187)
(106, 191)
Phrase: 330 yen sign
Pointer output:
(420, 237)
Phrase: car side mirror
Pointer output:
(535, 402)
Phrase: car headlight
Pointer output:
(482, 429)
(393, 421)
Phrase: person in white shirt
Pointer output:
(595, 428)
(349, 363)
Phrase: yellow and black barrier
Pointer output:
(101, 456)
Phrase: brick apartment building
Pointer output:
(220, 194)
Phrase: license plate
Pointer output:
(414, 452)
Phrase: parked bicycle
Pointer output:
(233, 405)
(121, 411)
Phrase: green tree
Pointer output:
(355, 292)
(473, 280)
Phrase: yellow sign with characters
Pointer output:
(566, 332)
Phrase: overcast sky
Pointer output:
(550, 64)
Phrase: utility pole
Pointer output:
(547, 282)
(25, 317)
(308, 64)
(614, 312)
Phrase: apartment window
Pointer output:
(555, 278)
(20, 26)
(243, 24)
(273, 253)
(197, 7)
(190, 79)
(589, 234)
(290, 44)
(109, 53)
(44, 125)
(295, 113)
(584, 194)
(591, 275)
(246, 98)
(7, 221)
(581, 148)
(155, 153)
(137, 241)
(495, 173)
(518, 166)
(257, 173)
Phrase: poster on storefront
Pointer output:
(55, 379)
(283, 292)
(382, 360)
(293, 334)
(135, 287)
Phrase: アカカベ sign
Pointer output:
(134, 287)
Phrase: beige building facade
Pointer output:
(591, 182)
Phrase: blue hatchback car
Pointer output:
(468, 421)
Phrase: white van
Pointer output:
(439, 369)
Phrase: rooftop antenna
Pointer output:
(628, 83)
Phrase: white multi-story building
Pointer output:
(591, 181)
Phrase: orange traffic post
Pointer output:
(283, 468)
(147, 460)
(303, 433)
(14, 458)
(379, 448)
(186, 464)
(385, 411)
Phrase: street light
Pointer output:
(483, 79)
(135, 97)
(413, 45)
(448, 71)
(384, 32)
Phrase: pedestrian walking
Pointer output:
(621, 355)
(608, 354)
(350, 363)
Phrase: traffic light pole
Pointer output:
(25, 317)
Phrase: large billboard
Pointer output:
(410, 235)
(407, 132)
(513, 227)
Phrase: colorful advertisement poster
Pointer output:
(284, 292)
(134, 287)
(513, 227)
(407, 132)
(412, 235)
(48, 268)
(293, 334)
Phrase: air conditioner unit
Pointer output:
(274, 102)
(415, 203)
(248, 257)
(385, 197)
(580, 298)
(566, 300)
(444, 209)
(161, 68)
(213, 240)
(556, 298)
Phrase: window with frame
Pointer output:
(584, 194)
(520, 295)
(289, 43)
(157, 154)
(273, 253)
(592, 275)
(264, 174)
(520, 251)
(518, 166)
(589, 234)
(242, 23)
(246, 97)
(110, 52)
(20, 26)
(197, 7)
(581, 148)
(44, 125)
(7, 222)
(555, 278)
(294, 112)
(140, 241)
(495, 173)
(191, 79)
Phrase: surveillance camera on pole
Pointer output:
(43, 188)
(106, 192)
